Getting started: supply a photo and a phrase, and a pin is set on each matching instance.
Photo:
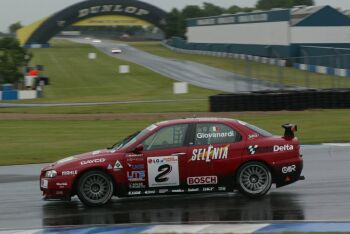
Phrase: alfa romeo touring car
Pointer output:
(176, 157)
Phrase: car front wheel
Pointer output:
(95, 188)
(254, 179)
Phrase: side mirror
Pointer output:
(138, 148)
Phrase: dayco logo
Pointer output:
(278, 148)
(215, 135)
(289, 169)
(202, 180)
(97, 160)
(212, 153)
(112, 8)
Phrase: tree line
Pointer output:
(176, 19)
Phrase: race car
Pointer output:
(194, 155)
(116, 51)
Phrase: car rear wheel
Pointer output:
(95, 188)
(254, 179)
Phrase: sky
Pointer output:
(28, 11)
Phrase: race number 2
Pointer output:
(163, 171)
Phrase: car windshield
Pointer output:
(256, 129)
(131, 139)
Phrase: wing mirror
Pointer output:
(138, 148)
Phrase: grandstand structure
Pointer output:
(314, 38)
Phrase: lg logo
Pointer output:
(289, 169)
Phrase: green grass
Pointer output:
(75, 78)
(261, 71)
(46, 141)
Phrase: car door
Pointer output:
(215, 150)
(164, 152)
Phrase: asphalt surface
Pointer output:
(324, 195)
(186, 71)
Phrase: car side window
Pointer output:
(167, 137)
(215, 133)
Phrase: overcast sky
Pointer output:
(28, 11)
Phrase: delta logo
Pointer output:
(210, 153)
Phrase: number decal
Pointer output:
(164, 170)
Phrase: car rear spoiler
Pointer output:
(289, 130)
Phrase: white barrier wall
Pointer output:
(312, 35)
(27, 94)
(269, 33)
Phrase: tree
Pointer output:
(172, 23)
(14, 27)
(210, 9)
(188, 12)
(12, 58)
(235, 9)
(268, 4)
(303, 2)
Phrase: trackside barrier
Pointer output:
(8, 93)
(281, 100)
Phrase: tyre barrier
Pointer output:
(281, 100)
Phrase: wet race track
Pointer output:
(324, 195)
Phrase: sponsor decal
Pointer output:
(135, 159)
(289, 169)
(163, 171)
(252, 149)
(134, 155)
(221, 188)
(112, 8)
(44, 183)
(69, 173)
(252, 136)
(210, 153)
(62, 184)
(59, 192)
(202, 180)
(137, 185)
(281, 148)
(193, 190)
(136, 176)
(150, 191)
(109, 167)
(215, 135)
(208, 189)
(177, 191)
(91, 161)
(136, 166)
(96, 152)
(134, 193)
(117, 166)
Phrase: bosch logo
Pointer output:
(202, 180)
(289, 169)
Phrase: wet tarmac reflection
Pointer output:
(176, 209)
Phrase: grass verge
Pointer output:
(36, 141)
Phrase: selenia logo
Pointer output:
(281, 148)
(211, 153)
(112, 8)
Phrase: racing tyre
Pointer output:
(95, 188)
(254, 179)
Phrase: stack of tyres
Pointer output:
(8, 93)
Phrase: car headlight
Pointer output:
(51, 174)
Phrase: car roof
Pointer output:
(195, 120)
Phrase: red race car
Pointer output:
(179, 156)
